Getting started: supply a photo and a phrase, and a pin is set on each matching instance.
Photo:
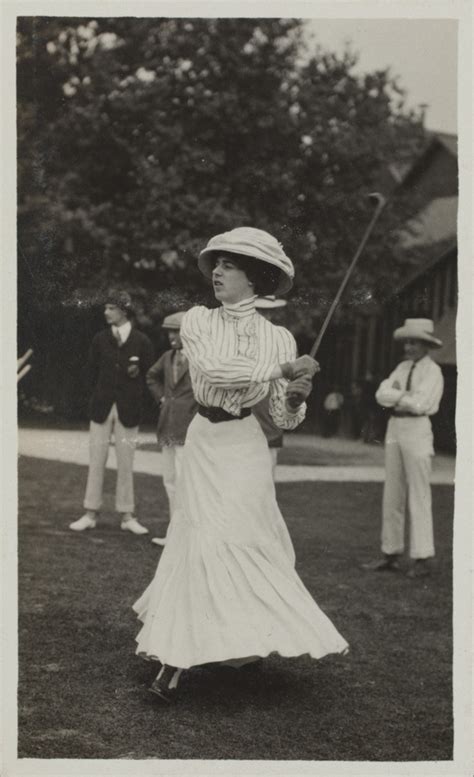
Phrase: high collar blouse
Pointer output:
(232, 351)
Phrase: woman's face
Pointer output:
(230, 283)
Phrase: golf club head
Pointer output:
(377, 199)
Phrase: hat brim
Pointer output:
(205, 264)
(404, 333)
(270, 304)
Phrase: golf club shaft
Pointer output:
(381, 202)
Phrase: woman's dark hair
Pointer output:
(265, 277)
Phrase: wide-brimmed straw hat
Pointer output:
(418, 329)
(254, 243)
(173, 321)
(270, 302)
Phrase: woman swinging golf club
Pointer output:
(226, 589)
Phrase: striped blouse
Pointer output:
(232, 351)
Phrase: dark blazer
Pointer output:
(108, 364)
(176, 400)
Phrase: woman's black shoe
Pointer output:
(161, 686)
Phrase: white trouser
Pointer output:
(125, 444)
(171, 465)
(408, 452)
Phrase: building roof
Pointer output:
(435, 142)
(436, 222)
(425, 267)
(374, 308)
(403, 172)
(448, 140)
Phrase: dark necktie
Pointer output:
(408, 386)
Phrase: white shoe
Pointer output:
(86, 522)
(159, 541)
(131, 524)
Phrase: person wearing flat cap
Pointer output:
(119, 359)
(226, 589)
(266, 306)
(411, 394)
(170, 384)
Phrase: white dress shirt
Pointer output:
(232, 351)
(123, 330)
(425, 392)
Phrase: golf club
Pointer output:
(380, 202)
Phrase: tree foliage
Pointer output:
(138, 139)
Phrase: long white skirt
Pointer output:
(226, 586)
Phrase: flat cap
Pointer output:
(173, 321)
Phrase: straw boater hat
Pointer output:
(269, 302)
(254, 243)
(418, 329)
(173, 321)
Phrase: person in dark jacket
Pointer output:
(170, 385)
(119, 358)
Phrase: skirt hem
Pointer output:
(222, 659)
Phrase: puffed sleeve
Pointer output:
(287, 352)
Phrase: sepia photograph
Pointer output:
(237, 339)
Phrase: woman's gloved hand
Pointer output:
(304, 365)
(298, 390)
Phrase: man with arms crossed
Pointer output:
(412, 393)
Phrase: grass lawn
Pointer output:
(317, 455)
(83, 692)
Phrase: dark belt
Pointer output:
(407, 415)
(217, 414)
